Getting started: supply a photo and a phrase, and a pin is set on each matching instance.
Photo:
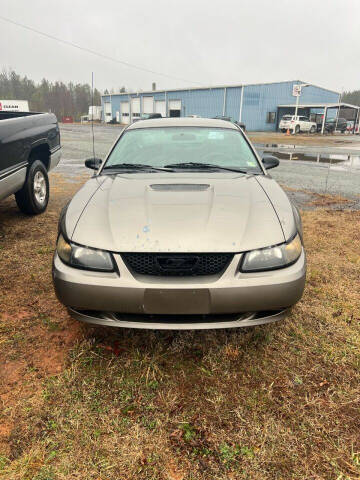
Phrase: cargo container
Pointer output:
(14, 106)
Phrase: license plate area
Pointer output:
(177, 301)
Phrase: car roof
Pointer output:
(182, 122)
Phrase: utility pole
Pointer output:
(338, 110)
(297, 103)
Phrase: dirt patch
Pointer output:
(326, 200)
(51, 355)
(36, 332)
(309, 200)
(11, 373)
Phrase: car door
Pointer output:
(305, 124)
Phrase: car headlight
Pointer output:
(271, 258)
(84, 257)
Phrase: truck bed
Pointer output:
(23, 135)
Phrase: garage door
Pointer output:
(160, 107)
(124, 112)
(174, 108)
(107, 112)
(135, 108)
(148, 105)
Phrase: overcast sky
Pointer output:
(203, 41)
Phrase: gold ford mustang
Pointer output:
(181, 227)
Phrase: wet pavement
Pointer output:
(302, 170)
(76, 142)
(325, 170)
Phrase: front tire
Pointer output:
(33, 198)
(313, 129)
(297, 129)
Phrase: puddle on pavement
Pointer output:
(343, 161)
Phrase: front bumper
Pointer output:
(149, 302)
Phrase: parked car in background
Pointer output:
(222, 117)
(350, 126)
(228, 119)
(29, 149)
(181, 227)
(296, 124)
(332, 124)
(147, 116)
(241, 125)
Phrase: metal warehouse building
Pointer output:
(259, 106)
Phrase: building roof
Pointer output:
(212, 87)
(183, 122)
(320, 105)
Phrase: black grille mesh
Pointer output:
(177, 264)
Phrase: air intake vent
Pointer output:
(180, 187)
(177, 264)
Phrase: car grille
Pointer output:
(177, 264)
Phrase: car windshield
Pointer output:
(287, 117)
(158, 147)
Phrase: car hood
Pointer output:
(190, 212)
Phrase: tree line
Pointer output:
(72, 99)
(351, 97)
(63, 99)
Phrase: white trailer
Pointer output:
(95, 112)
(14, 106)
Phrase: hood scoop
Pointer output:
(180, 187)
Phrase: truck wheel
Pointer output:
(33, 198)
(313, 129)
(297, 129)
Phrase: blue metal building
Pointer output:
(257, 105)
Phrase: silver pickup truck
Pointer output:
(29, 149)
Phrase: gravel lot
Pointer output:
(336, 173)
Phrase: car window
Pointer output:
(161, 146)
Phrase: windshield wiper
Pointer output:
(205, 166)
(136, 166)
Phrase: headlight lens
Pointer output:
(272, 257)
(83, 257)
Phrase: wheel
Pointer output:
(283, 130)
(33, 198)
(313, 129)
(297, 129)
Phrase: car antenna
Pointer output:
(92, 113)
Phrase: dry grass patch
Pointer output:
(273, 402)
(327, 200)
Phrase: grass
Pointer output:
(272, 402)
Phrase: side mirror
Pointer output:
(270, 162)
(93, 163)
